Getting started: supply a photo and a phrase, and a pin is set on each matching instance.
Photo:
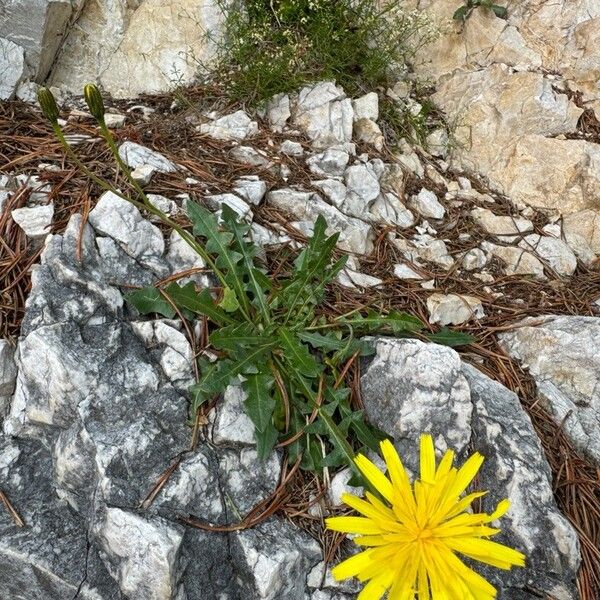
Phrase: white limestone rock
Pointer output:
(278, 111)
(231, 423)
(516, 260)
(12, 68)
(404, 271)
(331, 162)
(556, 253)
(453, 309)
(122, 221)
(427, 205)
(141, 553)
(389, 209)
(140, 47)
(474, 260)
(35, 221)
(236, 126)
(135, 156)
(366, 107)
(250, 156)
(292, 148)
(561, 353)
(250, 188)
(324, 114)
(305, 207)
(368, 132)
(239, 206)
(501, 226)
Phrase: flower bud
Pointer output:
(93, 98)
(48, 104)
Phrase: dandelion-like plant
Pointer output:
(413, 535)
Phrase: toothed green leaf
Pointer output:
(150, 300)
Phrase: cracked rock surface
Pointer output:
(562, 355)
(97, 416)
(410, 387)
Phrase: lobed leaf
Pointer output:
(150, 300)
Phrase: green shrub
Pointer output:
(275, 46)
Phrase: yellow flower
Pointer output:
(412, 536)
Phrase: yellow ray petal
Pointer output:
(445, 465)
(377, 587)
(379, 481)
(466, 474)
(489, 552)
(352, 566)
(353, 525)
(427, 456)
(379, 513)
(398, 474)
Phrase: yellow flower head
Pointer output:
(412, 537)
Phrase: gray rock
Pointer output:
(427, 205)
(122, 221)
(236, 126)
(8, 375)
(561, 353)
(453, 309)
(12, 68)
(250, 156)
(330, 163)
(245, 479)
(36, 563)
(501, 226)
(38, 28)
(90, 434)
(474, 259)
(555, 252)
(516, 260)
(411, 387)
(239, 206)
(278, 111)
(389, 209)
(68, 289)
(366, 107)
(355, 235)
(324, 114)
(292, 148)
(35, 221)
(273, 560)
(251, 188)
(134, 155)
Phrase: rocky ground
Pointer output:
(493, 228)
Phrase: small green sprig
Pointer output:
(464, 12)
